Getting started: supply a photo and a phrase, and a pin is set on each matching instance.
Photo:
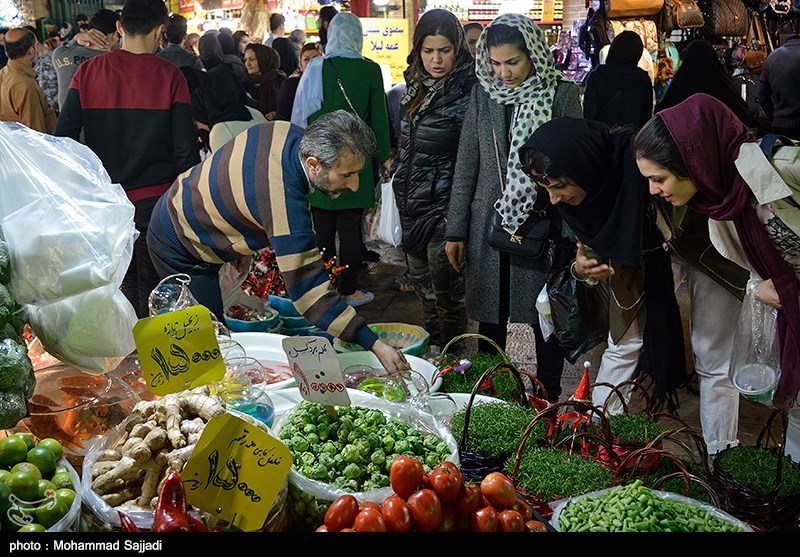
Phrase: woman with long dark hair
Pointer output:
(439, 77)
(264, 77)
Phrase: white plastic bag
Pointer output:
(545, 315)
(388, 229)
(70, 235)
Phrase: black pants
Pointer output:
(549, 358)
(141, 277)
(347, 223)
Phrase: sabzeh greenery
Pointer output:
(633, 429)
(455, 382)
(756, 468)
(495, 428)
(552, 474)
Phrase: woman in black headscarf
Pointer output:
(619, 92)
(287, 53)
(210, 50)
(326, 14)
(701, 71)
(591, 175)
(264, 77)
(229, 55)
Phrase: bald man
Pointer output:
(21, 97)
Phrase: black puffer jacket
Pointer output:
(425, 160)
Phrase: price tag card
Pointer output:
(316, 369)
(178, 350)
(236, 471)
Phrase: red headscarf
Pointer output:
(708, 136)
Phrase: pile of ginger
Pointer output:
(159, 436)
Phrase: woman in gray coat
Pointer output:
(519, 89)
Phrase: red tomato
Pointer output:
(523, 508)
(449, 520)
(426, 509)
(396, 514)
(484, 520)
(369, 505)
(468, 499)
(369, 520)
(535, 526)
(322, 528)
(452, 466)
(499, 490)
(446, 483)
(405, 474)
(511, 521)
(342, 513)
(347, 530)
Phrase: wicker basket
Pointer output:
(763, 510)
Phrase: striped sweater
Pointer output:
(251, 193)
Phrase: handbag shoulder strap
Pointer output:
(768, 142)
(341, 87)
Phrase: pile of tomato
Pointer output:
(440, 501)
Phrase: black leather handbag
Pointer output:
(530, 240)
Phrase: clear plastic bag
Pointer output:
(388, 229)
(69, 228)
(755, 359)
(70, 235)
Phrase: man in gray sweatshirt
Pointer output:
(69, 56)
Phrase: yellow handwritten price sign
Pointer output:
(178, 350)
(386, 42)
(315, 367)
(236, 471)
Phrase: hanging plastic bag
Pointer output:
(70, 235)
(580, 312)
(388, 229)
(545, 313)
(755, 359)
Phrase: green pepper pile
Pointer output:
(17, 379)
(637, 508)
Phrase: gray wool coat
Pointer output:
(476, 186)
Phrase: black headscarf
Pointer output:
(210, 50)
(601, 162)
(326, 14)
(287, 53)
(616, 220)
(625, 49)
(702, 72)
(227, 43)
(269, 80)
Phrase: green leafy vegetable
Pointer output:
(552, 474)
(504, 386)
(495, 428)
(756, 468)
(633, 429)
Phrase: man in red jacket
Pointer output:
(134, 110)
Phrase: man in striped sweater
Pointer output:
(135, 114)
(251, 193)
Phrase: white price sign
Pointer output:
(316, 369)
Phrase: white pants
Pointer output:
(714, 316)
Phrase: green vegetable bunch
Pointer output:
(552, 474)
(354, 451)
(633, 429)
(454, 382)
(756, 468)
(495, 428)
(637, 508)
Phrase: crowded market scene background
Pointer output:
(512, 266)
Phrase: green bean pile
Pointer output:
(636, 508)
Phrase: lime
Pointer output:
(24, 485)
(44, 459)
(5, 492)
(27, 467)
(29, 439)
(50, 512)
(62, 479)
(13, 449)
(67, 495)
(53, 445)
(44, 487)
(32, 528)
(4, 474)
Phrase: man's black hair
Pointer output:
(104, 20)
(275, 21)
(176, 29)
(140, 17)
(20, 47)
